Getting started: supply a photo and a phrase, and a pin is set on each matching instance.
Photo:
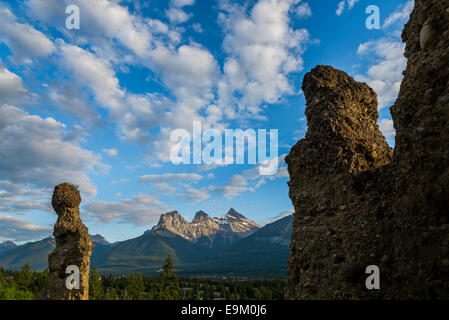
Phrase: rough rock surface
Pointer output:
(73, 247)
(356, 204)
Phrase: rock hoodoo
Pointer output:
(73, 247)
(355, 203)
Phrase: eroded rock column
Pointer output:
(421, 156)
(73, 247)
(355, 205)
(332, 237)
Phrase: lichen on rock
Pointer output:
(73, 247)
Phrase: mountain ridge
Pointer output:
(204, 229)
(7, 245)
(253, 254)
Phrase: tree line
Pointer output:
(25, 284)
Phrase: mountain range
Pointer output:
(228, 245)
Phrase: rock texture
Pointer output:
(355, 203)
(73, 247)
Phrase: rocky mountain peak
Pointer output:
(235, 222)
(8, 244)
(231, 225)
(171, 219)
(99, 239)
(173, 214)
(171, 224)
(201, 216)
(233, 213)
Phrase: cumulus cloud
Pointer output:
(113, 153)
(234, 186)
(176, 15)
(97, 74)
(15, 229)
(71, 100)
(12, 88)
(195, 195)
(170, 177)
(40, 152)
(197, 27)
(24, 40)
(182, 3)
(385, 76)
(303, 10)
(188, 70)
(21, 199)
(262, 51)
(139, 210)
(99, 19)
(250, 180)
(387, 128)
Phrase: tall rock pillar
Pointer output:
(73, 248)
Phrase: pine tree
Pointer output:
(136, 287)
(169, 283)
(197, 295)
(96, 291)
(227, 295)
(24, 277)
(111, 294)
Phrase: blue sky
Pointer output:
(96, 106)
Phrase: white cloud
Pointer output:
(341, 8)
(195, 195)
(176, 15)
(70, 99)
(140, 210)
(110, 152)
(262, 51)
(25, 41)
(351, 3)
(385, 75)
(401, 14)
(99, 19)
(197, 27)
(303, 10)
(21, 199)
(250, 180)
(164, 188)
(16, 229)
(190, 72)
(170, 177)
(387, 128)
(40, 152)
(187, 70)
(97, 74)
(12, 88)
(182, 3)
(234, 186)
(342, 5)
